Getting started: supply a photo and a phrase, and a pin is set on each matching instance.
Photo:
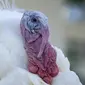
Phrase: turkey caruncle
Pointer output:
(13, 58)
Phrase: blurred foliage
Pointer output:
(73, 51)
(77, 2)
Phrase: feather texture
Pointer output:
(67, 78)
(62, 61)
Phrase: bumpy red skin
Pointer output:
(45, 66)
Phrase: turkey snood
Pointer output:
(41, 55)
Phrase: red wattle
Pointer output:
(45, 66)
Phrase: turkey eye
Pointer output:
(34, 20)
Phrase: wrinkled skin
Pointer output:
(41, 55)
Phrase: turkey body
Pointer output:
(13, 58)
(11, 45)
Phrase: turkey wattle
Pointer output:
(41, 55)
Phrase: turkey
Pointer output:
(14, 53)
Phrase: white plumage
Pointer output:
(67, 78)
(13, 59)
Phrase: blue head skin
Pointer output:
(34, 21)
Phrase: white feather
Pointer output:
(21, 77)
(66, 78)
(62, 61)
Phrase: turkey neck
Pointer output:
(33, 48)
